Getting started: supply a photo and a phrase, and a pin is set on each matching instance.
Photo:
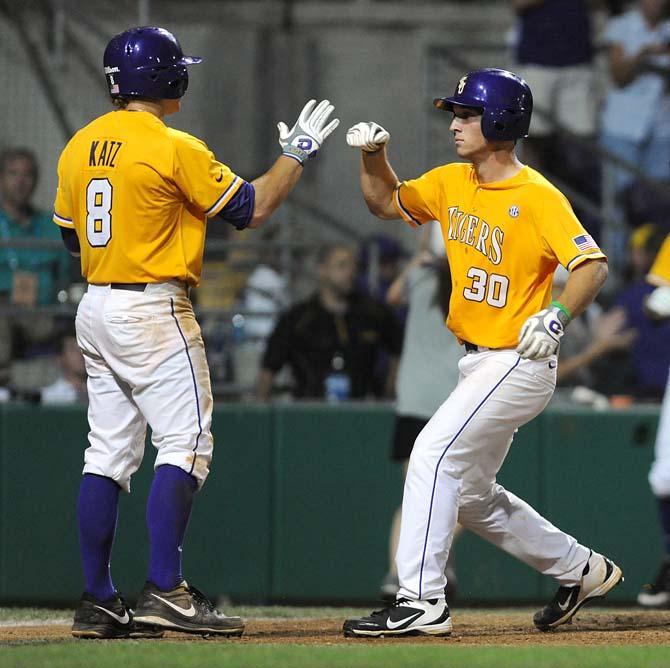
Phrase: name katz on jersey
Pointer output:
(103, 153)
(463, 228)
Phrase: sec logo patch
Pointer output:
(514, 211)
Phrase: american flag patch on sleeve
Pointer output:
(585, 242)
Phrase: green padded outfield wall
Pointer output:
(596, 467)
(228, 545)
(300, 499)
(335, 493)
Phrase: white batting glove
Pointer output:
(542, 332)
(370, 137)
(304, 139)
(657, 303)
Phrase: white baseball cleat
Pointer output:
(404, 617)
(598, 577)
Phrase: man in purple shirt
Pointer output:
(554, 54)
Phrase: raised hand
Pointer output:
(304, 139)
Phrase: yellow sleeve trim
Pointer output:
(404, 213)
(62, 221)
(576, 261)
(228, 194)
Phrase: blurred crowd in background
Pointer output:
(329, 324)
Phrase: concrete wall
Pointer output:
(369, 58)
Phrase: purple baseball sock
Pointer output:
(168, 510)
(97, 511)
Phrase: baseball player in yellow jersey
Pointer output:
(658, 303)
(657, 306)
(134, 198)
(505, 229)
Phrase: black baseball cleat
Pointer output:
(95, 619)
(184, 609)
(404, 617)
(657, 595)
(598, 577)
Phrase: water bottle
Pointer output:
(338, 383)
(239, 329)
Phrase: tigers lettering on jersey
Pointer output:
(138, 194)
(504, 241)
(462, 228)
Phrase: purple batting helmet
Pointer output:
(148, 63)
(504, 99)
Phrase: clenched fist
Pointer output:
(368, 136)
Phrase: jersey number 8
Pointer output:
(493, 287)
(99, 212)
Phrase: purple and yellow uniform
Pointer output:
(504, 241)
(138, 195)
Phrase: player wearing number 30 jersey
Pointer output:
(505, 230)
(503, 240)
(134, 199)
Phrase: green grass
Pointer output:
(225, 655)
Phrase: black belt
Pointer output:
(135, 287)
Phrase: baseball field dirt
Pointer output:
(513, 627)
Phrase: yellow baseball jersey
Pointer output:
(138, 194)
(659, 274)
(504, 241)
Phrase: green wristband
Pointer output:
(562, 308)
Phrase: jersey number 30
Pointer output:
(99, 212)
(492, 287)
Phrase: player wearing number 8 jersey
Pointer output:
(127, 183)
(505, 229)
(133, 199)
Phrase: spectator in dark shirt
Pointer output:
(554, 52)
(336, 334)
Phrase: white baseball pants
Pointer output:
(659, 475)
(452, 476)
(145, 360)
